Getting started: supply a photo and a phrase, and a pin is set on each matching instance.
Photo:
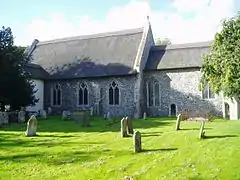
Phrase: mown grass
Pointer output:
(65, 150)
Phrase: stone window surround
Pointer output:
(154, 82)
(52, 89)
(119, 97)
(208, 94)
(78, 87)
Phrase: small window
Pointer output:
(56, 95)
(114, 94)
(207, 93)
(83, 94)
(153, 94)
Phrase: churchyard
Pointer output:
(65, 149)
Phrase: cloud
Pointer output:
(188, 21)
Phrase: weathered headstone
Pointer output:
(5, 117)
(144, 115)
(43, 114)
(179, 118)
(202, 132)
(64, 115)
(105, 116)
(137, 142)
(108, 116)
(82, 117)
(124, 127)
(31, 126)
(21, 116)
(129, 125)
(1, 118)
(49, 111)
(91, 111)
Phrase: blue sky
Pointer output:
(180, 20)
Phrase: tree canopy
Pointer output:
(16, 88)
(164, 41)
(221, 67)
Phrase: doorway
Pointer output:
(173, 110)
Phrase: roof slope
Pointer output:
(104, 54)
(36, 71)
(177, 56)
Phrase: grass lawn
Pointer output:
(65, 150)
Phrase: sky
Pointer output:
(182, 21)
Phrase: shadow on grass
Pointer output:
(55, 124)
(161, 149)
(151, 134)
(194, 129)
(20, 157)
(219, 137)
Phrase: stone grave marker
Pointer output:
(144, 115)
(129, 125)
(43, 114)
(108, 116)
(137, 142)
(179, 118)
(82, 117)
(49, 111)
(1, 118)
(64, 115)
(124, 127)
(31, 126)
(5, 117)
(202, 132)
(21, 116)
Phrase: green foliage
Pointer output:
(16, 88)
(164, 41)
(221, 67)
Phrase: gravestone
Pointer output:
(179, 118)
(5, 117)
(43, 114)
(124, 127)
(91, 111)
(31, 126)
(21, 116)
(64, 115)
(137, 142)
(105, 116)
(82, 117)
(49, 111)
(1, 118)
(202, 132)
(144, 115)
(108, 116)
(129, 125)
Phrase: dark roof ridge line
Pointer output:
(93, 36)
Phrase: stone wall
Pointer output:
(180, 87)
(69, 95)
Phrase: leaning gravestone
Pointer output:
(137, 142)
(21, 116)
(201, 132)
(124, 127)
(31, 126)
(179, 117)
(144, 115)
(91, 111)
(129, 125)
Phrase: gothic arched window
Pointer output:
(83, 94)
(114, 94)
(56, 95)
(153, 94)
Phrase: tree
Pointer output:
(164, 41)
(16, 87)
(221, 67)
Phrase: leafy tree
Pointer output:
(164, 41)
(16, 88)
(221, 67)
